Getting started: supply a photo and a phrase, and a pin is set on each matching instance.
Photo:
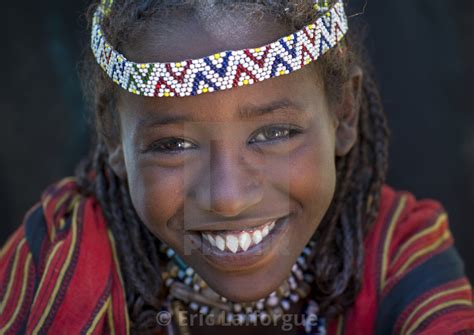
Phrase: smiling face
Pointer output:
(235, 181)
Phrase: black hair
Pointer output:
(360, 174)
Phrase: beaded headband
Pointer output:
(222, 70)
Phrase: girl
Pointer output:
(238, 182)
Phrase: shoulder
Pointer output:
(57, 262)
(49, 222)
(420, 280)
(407, 232)
(27, 253)
(17, 279)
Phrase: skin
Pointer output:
(224, 171)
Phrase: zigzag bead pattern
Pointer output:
(224, 70)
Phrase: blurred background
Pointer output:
(422, 51)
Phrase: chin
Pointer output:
(250, 287)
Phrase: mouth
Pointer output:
(236, 250)
(238, 241)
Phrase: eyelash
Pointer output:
(289, 131)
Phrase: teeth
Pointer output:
(257, 237)
(220, 243)
(244, 241)
(272, 225)
(240, 241)
(211, 239)
(232, 243)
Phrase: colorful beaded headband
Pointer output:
(223, 70)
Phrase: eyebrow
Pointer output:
(245, 112)
(248, 112)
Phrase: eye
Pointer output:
(274, 133)
(171, 145)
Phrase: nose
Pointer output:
(229, 184)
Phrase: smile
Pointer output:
(238, 241)
(242, 249)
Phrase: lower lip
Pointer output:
(243, 260)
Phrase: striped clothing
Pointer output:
(413, 280)
(59, 272)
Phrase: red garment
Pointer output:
(59, 272)
(413, 280)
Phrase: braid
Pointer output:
(338, 261)
(137, 248)
(360, 175)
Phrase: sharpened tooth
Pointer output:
(239, 241)
(257, 237)
(272, 225)
(220, 243)
(211, 239)
(232, 243)
(244, 241)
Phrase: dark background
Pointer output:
(422, 50)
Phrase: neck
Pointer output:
(199, 324)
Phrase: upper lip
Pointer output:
(232, 225)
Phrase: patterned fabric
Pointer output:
(223, 70)
(414, 280)
(59, 271)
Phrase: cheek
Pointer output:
(312, 176)
(157, 195)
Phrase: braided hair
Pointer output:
(360, 173)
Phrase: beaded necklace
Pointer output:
(187, 291)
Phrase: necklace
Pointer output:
(187, 291)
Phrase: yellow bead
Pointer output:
(288, 38)
(217, 56)
(205, 90)
(178, 65)
(257, 50)
(282, 72)
(246, 82)
(167, 94)
(143, 66)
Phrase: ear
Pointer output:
(347, 112)
(117, 160)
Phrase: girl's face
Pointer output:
(230, 162)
